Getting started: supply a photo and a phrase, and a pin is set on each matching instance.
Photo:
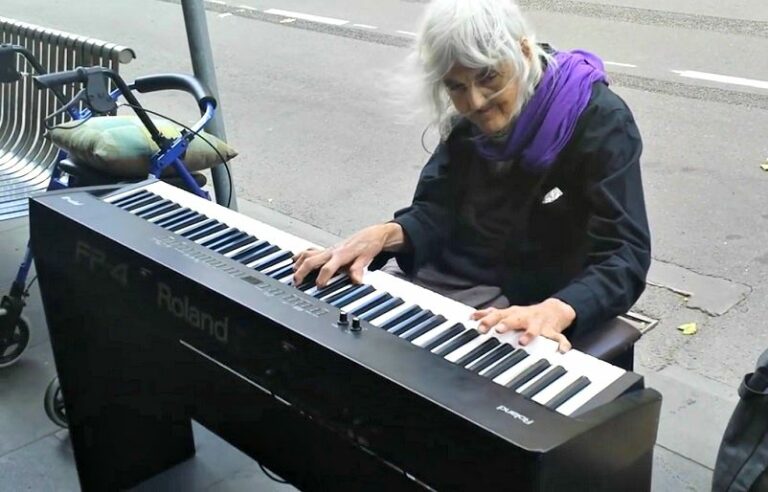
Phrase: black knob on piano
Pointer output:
(356, 324)
(343, 318)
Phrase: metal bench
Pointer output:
(26, 157)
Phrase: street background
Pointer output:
(325, 147)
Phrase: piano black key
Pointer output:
(409, 323)
(569, 392)
(491, 357)
(457, 342)
(309, 281)
(195, 219)
(445, 336)
(142, 203)
(159, 211)
(333, 287)
(550, 377)
(529, 373)
(407, 314)
(478, 351)
(381, 298)
(509, 361)
(282, 272)
(238, 244)
(134, 199)
(179, 215)
(423, 327)
(130, 197)
(353, 296)
(206, 231)
(202, 226)
(341, 294)
(269, 261)
(384, 308)
(258, 246)
(228, 242)
(224, 237)
(258, 254)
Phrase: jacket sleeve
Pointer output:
(619, 240)
(427, 222)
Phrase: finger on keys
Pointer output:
(489, 320)
(500, 327)
(480, 313)
(356, 270)
(532, 330)
(564, 345)
(309, 262)
(327, 272)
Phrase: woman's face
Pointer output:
(486, 96)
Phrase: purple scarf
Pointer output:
(546, 122)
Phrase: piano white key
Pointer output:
(426, 299)
(118, 196)
(554, 360)
(513, 371)
(337, 291)
(555, 388)
(232, 218)
(194, 226)
(433, 333)
(240, 249)
(391, 314)
(363, 300)
(163, 215)
(210, 236)
(277, 266)
(314, 289)
(467, 348)
(265, 259)
(136, 211)
(601, 375)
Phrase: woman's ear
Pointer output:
(525, 47)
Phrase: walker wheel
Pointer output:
(12, 346)
(54, 404)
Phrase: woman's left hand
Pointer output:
(548, 318)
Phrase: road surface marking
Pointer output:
(308, 17)
(725, 79)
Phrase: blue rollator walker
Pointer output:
(95, 99)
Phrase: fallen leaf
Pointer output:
(688, 328)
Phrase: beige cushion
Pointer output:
(120, 145)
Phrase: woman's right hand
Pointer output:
(355, 252)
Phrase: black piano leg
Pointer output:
(126, 408)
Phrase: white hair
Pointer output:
(475, 34)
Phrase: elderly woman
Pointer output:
(531, 208)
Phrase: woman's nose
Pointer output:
(475, 98)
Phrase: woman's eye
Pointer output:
(455, 88)
(489, 76)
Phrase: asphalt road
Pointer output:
(308, 103)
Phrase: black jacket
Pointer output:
(589, 247)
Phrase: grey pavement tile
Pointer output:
(44, 465)
(22, 388)
(694, 413)
(675, 473)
